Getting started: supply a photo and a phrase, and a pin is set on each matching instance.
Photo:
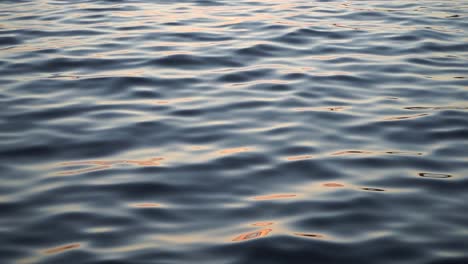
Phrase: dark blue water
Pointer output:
(215, 131)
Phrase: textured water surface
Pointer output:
(215, 131)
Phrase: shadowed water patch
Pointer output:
(373, 189)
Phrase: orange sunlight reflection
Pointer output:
(332, 185)
(252, 235)
(274, 197)
(302, 157)
(96, 165)
(61, 248)
(234, 150)
(146, 205)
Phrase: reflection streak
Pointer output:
(252, 235)
(61, 248)
(96, 165)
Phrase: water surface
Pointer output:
(215, 131)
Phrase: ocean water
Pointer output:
(242, 131)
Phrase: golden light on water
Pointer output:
(61, 248)
(252, 235)
(274, 197)
(146, 205)
(96, 165)
(234, 150)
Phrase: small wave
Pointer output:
(61, 249)
(252, 235)
(96, 165)
(274, 197)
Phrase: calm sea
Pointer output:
(233, 132)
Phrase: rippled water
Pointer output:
(215, 131)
